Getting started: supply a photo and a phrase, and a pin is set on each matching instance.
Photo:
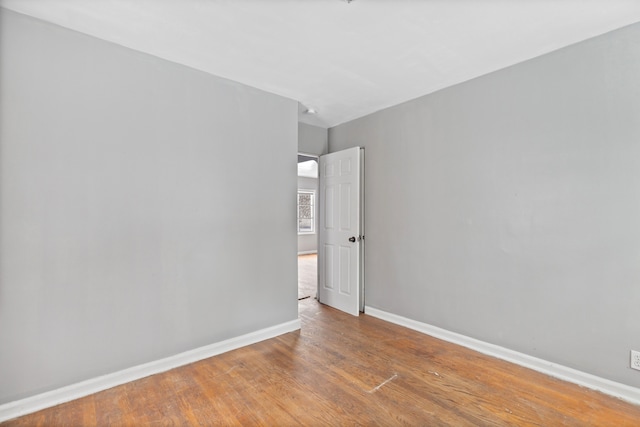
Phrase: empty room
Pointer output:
(327, 212)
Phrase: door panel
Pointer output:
(340, 221)
(328, 267)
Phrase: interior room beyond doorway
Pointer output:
(307, 276)
(307, 225)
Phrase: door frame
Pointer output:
(362, 227)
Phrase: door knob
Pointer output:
(352, 239)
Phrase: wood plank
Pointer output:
(339, 370)
(307, 276)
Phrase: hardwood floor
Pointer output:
(307, 276)
(344, 370)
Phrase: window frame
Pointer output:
(313, 210)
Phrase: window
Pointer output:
(306, 211)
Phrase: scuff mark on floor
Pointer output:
(391, 378)
(228, 371)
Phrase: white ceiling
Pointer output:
(344, 59)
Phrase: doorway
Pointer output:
(334, 234)
(307, 226)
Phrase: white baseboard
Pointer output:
(612, 388)
(75, 391)
(307, 252)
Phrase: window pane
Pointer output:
(304, 198)
(305, 225)
(304, 211)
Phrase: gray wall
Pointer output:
(312, 139)
(507, 208)
(125, 213)
(309, 242)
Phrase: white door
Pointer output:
(340, 235)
